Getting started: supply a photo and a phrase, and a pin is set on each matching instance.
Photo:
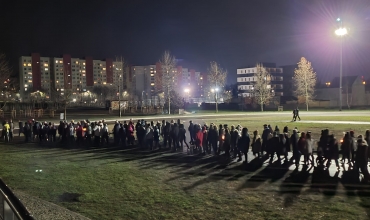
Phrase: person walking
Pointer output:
(302, 147)
(346, 148)
(294, 115)
(227, 143)
(256, 144)
(361, 158)
(243, 145)
(149, 136)
(297, 114)
(21, 127)
(11, 130)
(308, 153)
(333, 152)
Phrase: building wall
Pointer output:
(34, 74)
(246, 79)
(356, 95)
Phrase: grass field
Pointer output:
(137, 184)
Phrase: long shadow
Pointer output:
(292, 186)
(272, 173)
(323, 182)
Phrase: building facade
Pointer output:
(57, 74)
(148, 81)
(34, 74)
(246, 78)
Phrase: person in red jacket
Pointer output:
(79, 134)
(199, 139)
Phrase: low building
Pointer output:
(353, 92)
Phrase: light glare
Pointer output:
(341, 31)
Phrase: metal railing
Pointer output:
(11, 208)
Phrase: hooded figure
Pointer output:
(243, 145)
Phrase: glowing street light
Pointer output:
(341, 32)
(215, 90)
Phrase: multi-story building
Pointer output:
(144, 81)
(246, 79)
(34, 74)
(78, 75)
(148, 81)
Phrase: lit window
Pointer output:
(56, 61)
(152, 84)
(29, 64)
(76, 62)
(25, 89)
(46, 64)
(83, 63)
(61, 89)
(103, 68)
(61, 61)
(24, 64)
(46, 69)
(104, 83)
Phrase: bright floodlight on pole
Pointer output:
(187, 90)
(341, 32)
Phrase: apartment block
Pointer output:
(50, 74)
(246, 78)
(34, 74)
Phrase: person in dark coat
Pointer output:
(191, 132)
(361, 158)
(265, 134)
(243, 145)
(116, 135)
(20, 124)
(122, 133)
(234, 138)
(346, 148)
(213, 138)
(294, 141)
(302, 146)
(274, 143)
(175, 136)
(333, 153)
(27, 132)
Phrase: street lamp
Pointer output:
(187, 91)
(215, 90)
(341, 32)
(119, 95)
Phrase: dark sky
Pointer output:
(235, 33)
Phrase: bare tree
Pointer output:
(217, 78)
(304, 81)
(227, 96)
(261, 90)
(168, 63)
(63, 98)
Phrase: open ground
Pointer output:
(133, 183)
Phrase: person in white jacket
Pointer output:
(309, 149)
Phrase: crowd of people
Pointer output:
(231, 142)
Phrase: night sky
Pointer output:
(235, 33)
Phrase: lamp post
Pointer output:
(215, 90)
(341, 32)
(119, 95)
(187, 91)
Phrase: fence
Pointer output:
(11, 208)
